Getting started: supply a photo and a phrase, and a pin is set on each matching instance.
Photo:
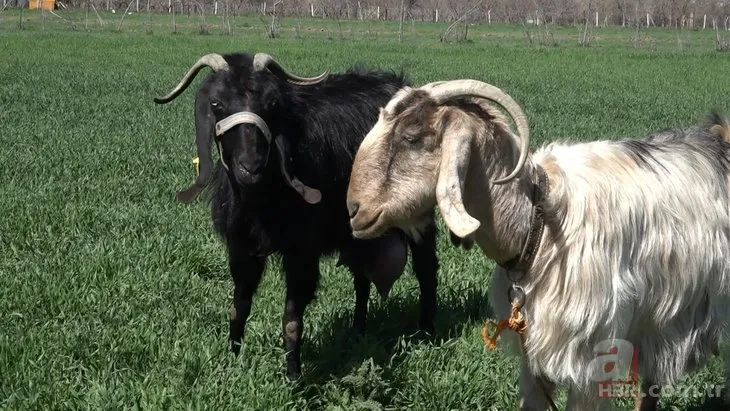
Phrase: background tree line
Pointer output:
(630, 13)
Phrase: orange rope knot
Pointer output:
(516, 322)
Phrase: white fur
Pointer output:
(628, 252)
(636, 244)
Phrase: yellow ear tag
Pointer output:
(196, 161)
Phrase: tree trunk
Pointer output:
(101, 22)
(123, 15)
(228, 19)
(174, 24)
(402, 16)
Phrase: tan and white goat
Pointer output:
(631, 244)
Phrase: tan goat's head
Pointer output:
(418, 153)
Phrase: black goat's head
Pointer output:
(237, 110)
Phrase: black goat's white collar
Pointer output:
(242, 117)
(310, 195)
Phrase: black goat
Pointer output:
(260, 207)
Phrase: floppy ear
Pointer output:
(467, 242)
(204, 129)
(309, 194)
(455, 156)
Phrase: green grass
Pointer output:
(114, 296)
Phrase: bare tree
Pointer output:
(585, 36)
(274, 27)
(463, 17)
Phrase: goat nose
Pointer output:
(352, 207)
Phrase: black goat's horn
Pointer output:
(213, 60)
(263, 61)
(310, 195)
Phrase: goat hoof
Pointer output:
(235, 348)
(427, 327)
(293, 376)
(292, 379)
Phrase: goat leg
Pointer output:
(302, 276)
(532, 394)
(362, 293)
(354, 261)
(649, 399)
(246, 273)
(425, 267)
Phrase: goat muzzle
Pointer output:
(310, 195)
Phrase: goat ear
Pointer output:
(189, 194)
(309, 194)
(455, 156)
(467, 242)
(204, 129)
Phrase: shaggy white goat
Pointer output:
(634, 245)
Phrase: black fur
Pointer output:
(258, 214)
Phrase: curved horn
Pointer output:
(263, 61)
(443, 91)
(430, 86)
(214, 61)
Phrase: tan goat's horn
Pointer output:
(263, 61)
(214, 61)
(442, 91)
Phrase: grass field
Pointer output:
(114, 296)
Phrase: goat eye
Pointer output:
(216, 106)
(411, 138)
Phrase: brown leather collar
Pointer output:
(523, 261)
